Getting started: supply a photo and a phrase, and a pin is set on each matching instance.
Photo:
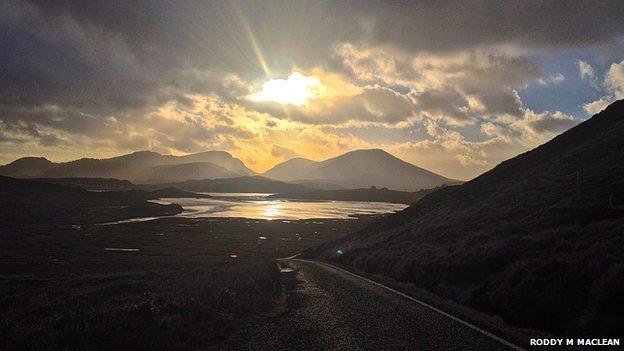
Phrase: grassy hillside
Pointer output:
(539, 240)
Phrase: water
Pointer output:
(257, 206)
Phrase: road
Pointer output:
(332, 309)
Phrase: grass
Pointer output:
(61, 289)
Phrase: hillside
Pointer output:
(255, 184)
(141, 166)
(32, 201)
(184, 171)
(93, 184)
(538, 240)
(359, 169)
(297, 168)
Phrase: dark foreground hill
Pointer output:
(538, 240)
(94, 184)
(359, 169)
(40, 202)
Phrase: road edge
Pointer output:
(413, 299)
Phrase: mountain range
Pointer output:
(359, 169)
(141, 166)
(356, 169)
(538, 240)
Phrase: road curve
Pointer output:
(333, 309)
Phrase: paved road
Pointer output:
(331, 309)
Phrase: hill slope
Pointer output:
(141, 166)
(184, 171)
(34, 201)
(360, 169)
(538, 240)
(255, 184)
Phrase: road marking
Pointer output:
(422, 303)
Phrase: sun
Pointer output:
(297, 89)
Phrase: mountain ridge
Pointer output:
(139, 166)
(358, 169)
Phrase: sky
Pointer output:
(455, 87)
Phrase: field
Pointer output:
(171, 283)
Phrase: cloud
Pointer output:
(338, 101)
(612, 86)
(594, 107)
(444, 105)
(444, 85)
(556, 79)
(458, 25)
(587, 74)
(285, 153)
(540, 125)
(97, 78)
(614, 80)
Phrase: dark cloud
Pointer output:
(452, 25)
(551, 123)
(104, 57)
(449, 105)
(501, 102)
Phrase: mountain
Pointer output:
(295, 169)
(27, 167)
(359, 169)
(219, 158)
(538, 240)
(141, 166)
(177, 172)
(31, 201)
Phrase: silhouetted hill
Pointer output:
(375, 195)
(359, 169)
(35, 202)
(27, 167)
(234, 185)
(176, 193)
(96, 184)
(219, 158)
(297, 168)
(194, 170)
(320, 185)
(141, 166)
(538, 240)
